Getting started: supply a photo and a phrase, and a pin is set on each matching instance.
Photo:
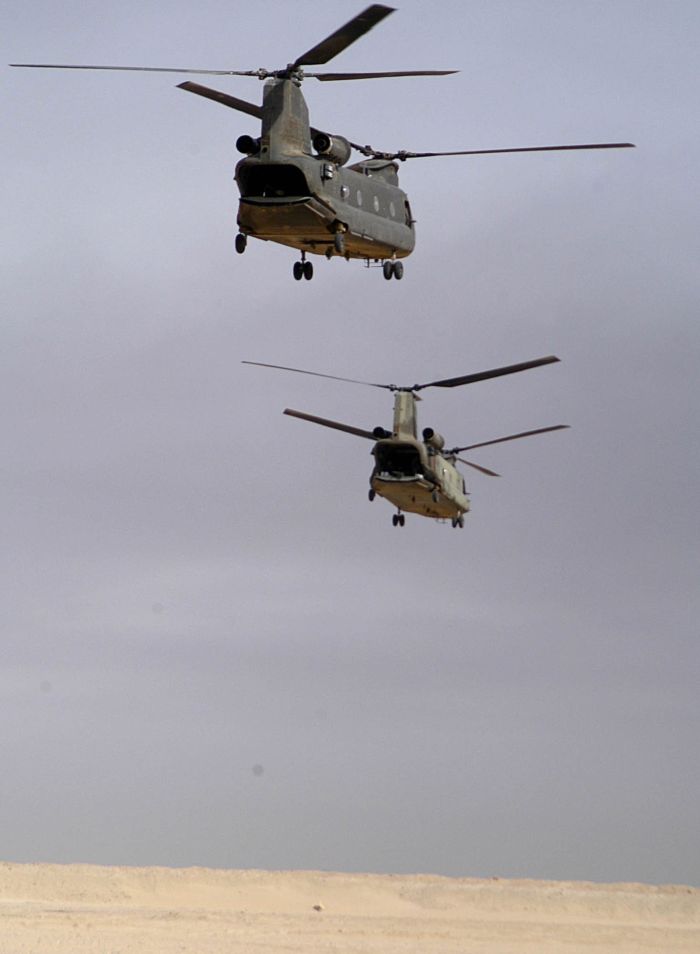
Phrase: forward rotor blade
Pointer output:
(224, 98)
(335, 425)
(484, 470)
(333, 77)
(403, 154)
(317, 374)
(484, 375)
(137, 69)
(511, 437)
(345, 35)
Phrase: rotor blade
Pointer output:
(137, 69)
(317, 374)
(333, 77)
(345, 35)
(511, 437)
(484, 375)
(357, 431)
(403, 154)
(484, 470)
(224, 98)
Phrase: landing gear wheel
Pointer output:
(460, 523)
(402, 520)
(392, 269)
(308, 269)
(298, 271)
(371, 495)
(395, 520)
(339, 243)
(241, 242)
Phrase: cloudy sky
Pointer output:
(214, 650)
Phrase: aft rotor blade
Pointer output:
(333, 77)
(137, 69)
(405, 154)
(511, 437)
(345, 35)
(484, 375)
(317, 374)
(348, 428)
(224, 98)
(484, 470)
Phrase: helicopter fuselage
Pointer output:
(304, 201)
(291, 196)
(416, 478)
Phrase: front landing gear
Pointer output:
(303, 269)
(241, 242)
(458, 522)
(398, 520)
(392, 269)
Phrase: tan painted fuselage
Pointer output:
(416, 479)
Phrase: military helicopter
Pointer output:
(419, 476)
(295, 187)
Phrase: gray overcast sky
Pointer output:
(214, 650)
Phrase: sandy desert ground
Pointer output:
(78, 909)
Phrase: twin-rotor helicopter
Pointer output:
(295, 186)
(419, 476)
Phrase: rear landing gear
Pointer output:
(241, 242)
(371, 495)
(392, 269)
(398, 520)
(303, 269)
(458, 522)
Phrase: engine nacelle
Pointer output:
(432, 438)
(248, 145)
(335, 148)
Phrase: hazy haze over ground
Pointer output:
(214, 650)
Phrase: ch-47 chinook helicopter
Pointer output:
(295, 187)
(419, 476)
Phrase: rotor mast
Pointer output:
(405, 423)
(285, 120)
